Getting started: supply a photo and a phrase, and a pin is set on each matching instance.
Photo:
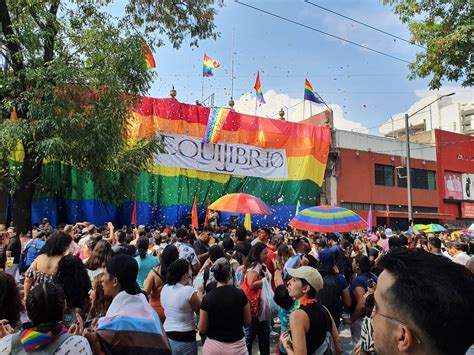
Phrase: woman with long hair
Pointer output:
(145, 261)
(99, 302)
(255, 271)
(45, 265)
(95, 264)
(10, 301)
(180, 302)
(156, 279)
(45, 333)
(73, 278)
(224, 313)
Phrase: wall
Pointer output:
(356, 180)
(454, 152)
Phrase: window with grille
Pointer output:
(384, 175)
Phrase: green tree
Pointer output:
(73, 72)
(446, 29)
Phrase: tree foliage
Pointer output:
(446, 29)
(74, 72)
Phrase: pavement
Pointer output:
(344, 333)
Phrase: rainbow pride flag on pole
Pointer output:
(309, 93)
(209, 64)
(217, 117)
(258, 89)
(149, 59)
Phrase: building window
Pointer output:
(356, 206)
(384, 175)
(420, 179)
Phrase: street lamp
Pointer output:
(410, 207)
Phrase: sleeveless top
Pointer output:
(155, 296)
(319, 324)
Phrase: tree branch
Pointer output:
(50, 37)
(12, 44)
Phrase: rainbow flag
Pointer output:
(165, 194)
(309, 93)
(217, 117)
(209, 64)
(149, 59)
(258, 89)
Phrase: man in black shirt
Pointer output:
(122, 247)
(201, 246)
(244, 244)
(13, 251)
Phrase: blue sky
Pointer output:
(364, 87)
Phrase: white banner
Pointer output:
(226, 158)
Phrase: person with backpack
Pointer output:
(311, 326)
(253, 274)
(335, 292)
(33, 248)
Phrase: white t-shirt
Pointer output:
(175, 300)
(461, 258)
(75, 344)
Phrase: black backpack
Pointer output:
(330, 296)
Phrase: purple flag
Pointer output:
(369, 222)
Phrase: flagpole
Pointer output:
(256, 104)
(202, 90)
(310, 109)
(232, 78)
(304, 104)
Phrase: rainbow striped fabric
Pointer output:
(33, 338)
(309, 93)
(328, 219)
(217, 117)
(149, 59)
(165, 194)
(258, 90)
(209, 64)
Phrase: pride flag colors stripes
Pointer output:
(217, 117)
(149, 59)
(209, 64)
(258, 89)
(309, 93)
(165, 194)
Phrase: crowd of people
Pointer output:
(84, 289)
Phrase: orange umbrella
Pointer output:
(240, 203)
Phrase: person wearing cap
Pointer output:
(312, 327)
(130, 324)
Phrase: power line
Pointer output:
(320, 31)
(362, 23)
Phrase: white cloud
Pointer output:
(463, 95)
(293, 109)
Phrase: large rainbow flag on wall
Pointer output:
(165, 193)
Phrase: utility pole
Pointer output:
(407, 132)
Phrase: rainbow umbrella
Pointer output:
(328, 219)
(240, 203)
(420, 227)
(435, 228)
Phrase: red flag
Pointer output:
(134, 211)
(206, 220)
(194, 214)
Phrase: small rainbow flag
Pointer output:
(216, 121)
(309, 93)
(149, 59)
(258, 90)
(209, 64)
